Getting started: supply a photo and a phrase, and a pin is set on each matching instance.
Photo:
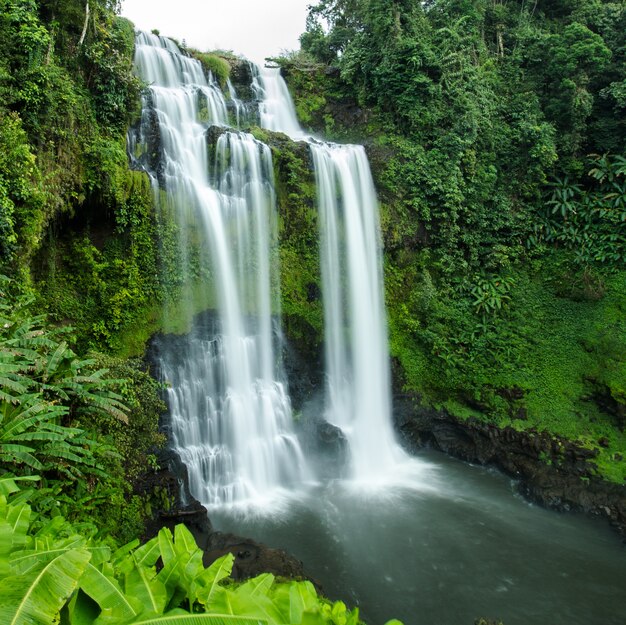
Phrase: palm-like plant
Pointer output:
(43, 388)
(58, 571)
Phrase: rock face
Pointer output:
(179, 506)
(331, 447)
(553, 472)
(175, 504)
(252, 558)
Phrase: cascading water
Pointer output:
(230, 414)
(276, 109)
(356, 352)
(460, 546)
(357, 370)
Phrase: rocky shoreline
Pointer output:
(552, 471)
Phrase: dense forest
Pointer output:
(496, 131)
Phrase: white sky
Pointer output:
(254, 28)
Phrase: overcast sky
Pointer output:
(254, 28)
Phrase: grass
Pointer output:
(561, 352)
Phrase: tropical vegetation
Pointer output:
(51, 570)
(496, 130)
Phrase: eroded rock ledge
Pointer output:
(552, 471)
(174, 504)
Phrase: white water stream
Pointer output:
(358, 396)
(230, 415)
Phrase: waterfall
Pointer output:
(356, 353)
(276, 109)
(230, 415)
(358, 396)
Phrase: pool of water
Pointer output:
(450, 544)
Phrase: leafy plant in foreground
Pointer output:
(58, 572)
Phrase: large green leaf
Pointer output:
(170, 576)
(189, 562)
(201, 619)
(20, 454)
(148, 553)
(6, 546)
(166, 545)
(141, 582)
(37, 597)
(183, 539)
(19, 519)
(302, 598)
(79, 610)
(259, 585)
(252, 599)
(106, 592)
(61, 352)
(120, 555)
(27, 559)
(293, 604)
(8, 484)
(206, 585)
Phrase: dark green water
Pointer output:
(456, 545)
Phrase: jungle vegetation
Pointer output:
(496, 132)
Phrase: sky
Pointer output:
(253, 28)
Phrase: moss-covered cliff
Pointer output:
(503, 228)
(495, 312)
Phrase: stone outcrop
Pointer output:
(552, 471)
(252, 558)
(173, 504)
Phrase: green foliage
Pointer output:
(213, 63)
(590, 221)
(59, 571)
(107, 265)
(491, 293)
(64, 110)
(43, 389)
(301, 307)
(109, 73)
(20, 185)
(87, 426)
(139, 437)
(502, 225)
(551, 359)
(477, 103)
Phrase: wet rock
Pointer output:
(331, 441)
(241, 78)
(171, 501)
(252, 558)
(552, 471)
(325, 444)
